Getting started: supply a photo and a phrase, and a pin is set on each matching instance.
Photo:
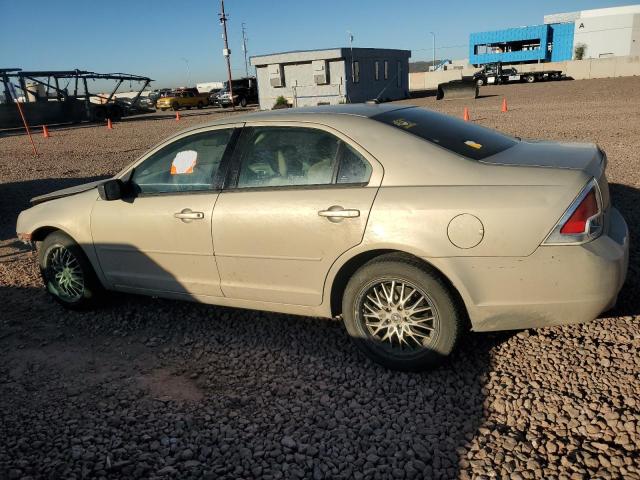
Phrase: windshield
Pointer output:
(464, 138)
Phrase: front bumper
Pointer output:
(556, 285)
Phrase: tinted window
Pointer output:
(282, 156)
(463, 138)
(188, 164)
(353, 167)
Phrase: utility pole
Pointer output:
(433, 65)
(244, 49)
(226, 52)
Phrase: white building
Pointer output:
(604, 32)
(332, 76)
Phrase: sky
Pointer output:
(180, 42)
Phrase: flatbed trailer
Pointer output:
(62, 96)
(496, 74)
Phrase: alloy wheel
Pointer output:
(399, 315)
(66, 279)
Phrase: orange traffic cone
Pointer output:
(45, 131)
(504, 106)
(466, 115)
(109, 124)
(177, 116)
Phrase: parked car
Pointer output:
(411, 225)
(156, 94)
(245, 91)
(213, 97)
(142, 104)
(182, 98)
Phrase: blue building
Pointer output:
(534, 44)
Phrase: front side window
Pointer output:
(292, 156)
(186, 165)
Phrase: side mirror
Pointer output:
(111, 189)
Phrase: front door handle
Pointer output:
(188, 215)
(336, 213)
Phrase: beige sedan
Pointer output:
(412, 225)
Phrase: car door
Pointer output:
(298, 198)
(158, 238)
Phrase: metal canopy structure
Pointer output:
(43, 89)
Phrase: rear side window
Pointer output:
(298, 156)
(464, 138)
(353, 167)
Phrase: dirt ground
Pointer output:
(148, 388)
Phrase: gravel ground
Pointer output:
(148, 388)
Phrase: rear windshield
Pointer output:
(464, 138)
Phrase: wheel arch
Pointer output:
(42, 232)
(348, 268)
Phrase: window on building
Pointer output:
(386, 70)
(356, 72)
(376, 70)
(399, 74)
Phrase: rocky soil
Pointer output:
(149, 388)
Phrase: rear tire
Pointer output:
(480, 82)
(67, 273)
(243, 102)
(531, 78)
(413, 325)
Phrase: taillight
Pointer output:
(577, 222)
(582, 222)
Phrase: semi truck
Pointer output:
(495, 74)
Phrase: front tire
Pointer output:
(401, 314)
(67, 273)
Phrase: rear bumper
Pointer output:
(556, 285)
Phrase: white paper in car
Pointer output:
(184, 162)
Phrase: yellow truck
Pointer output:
(185, 98)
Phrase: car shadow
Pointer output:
(303, 374)
(626, 199)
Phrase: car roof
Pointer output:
(362, 110)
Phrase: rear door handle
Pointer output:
(336, 213)
(188, 215)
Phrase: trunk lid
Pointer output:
(573, 156)
(585, 157)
